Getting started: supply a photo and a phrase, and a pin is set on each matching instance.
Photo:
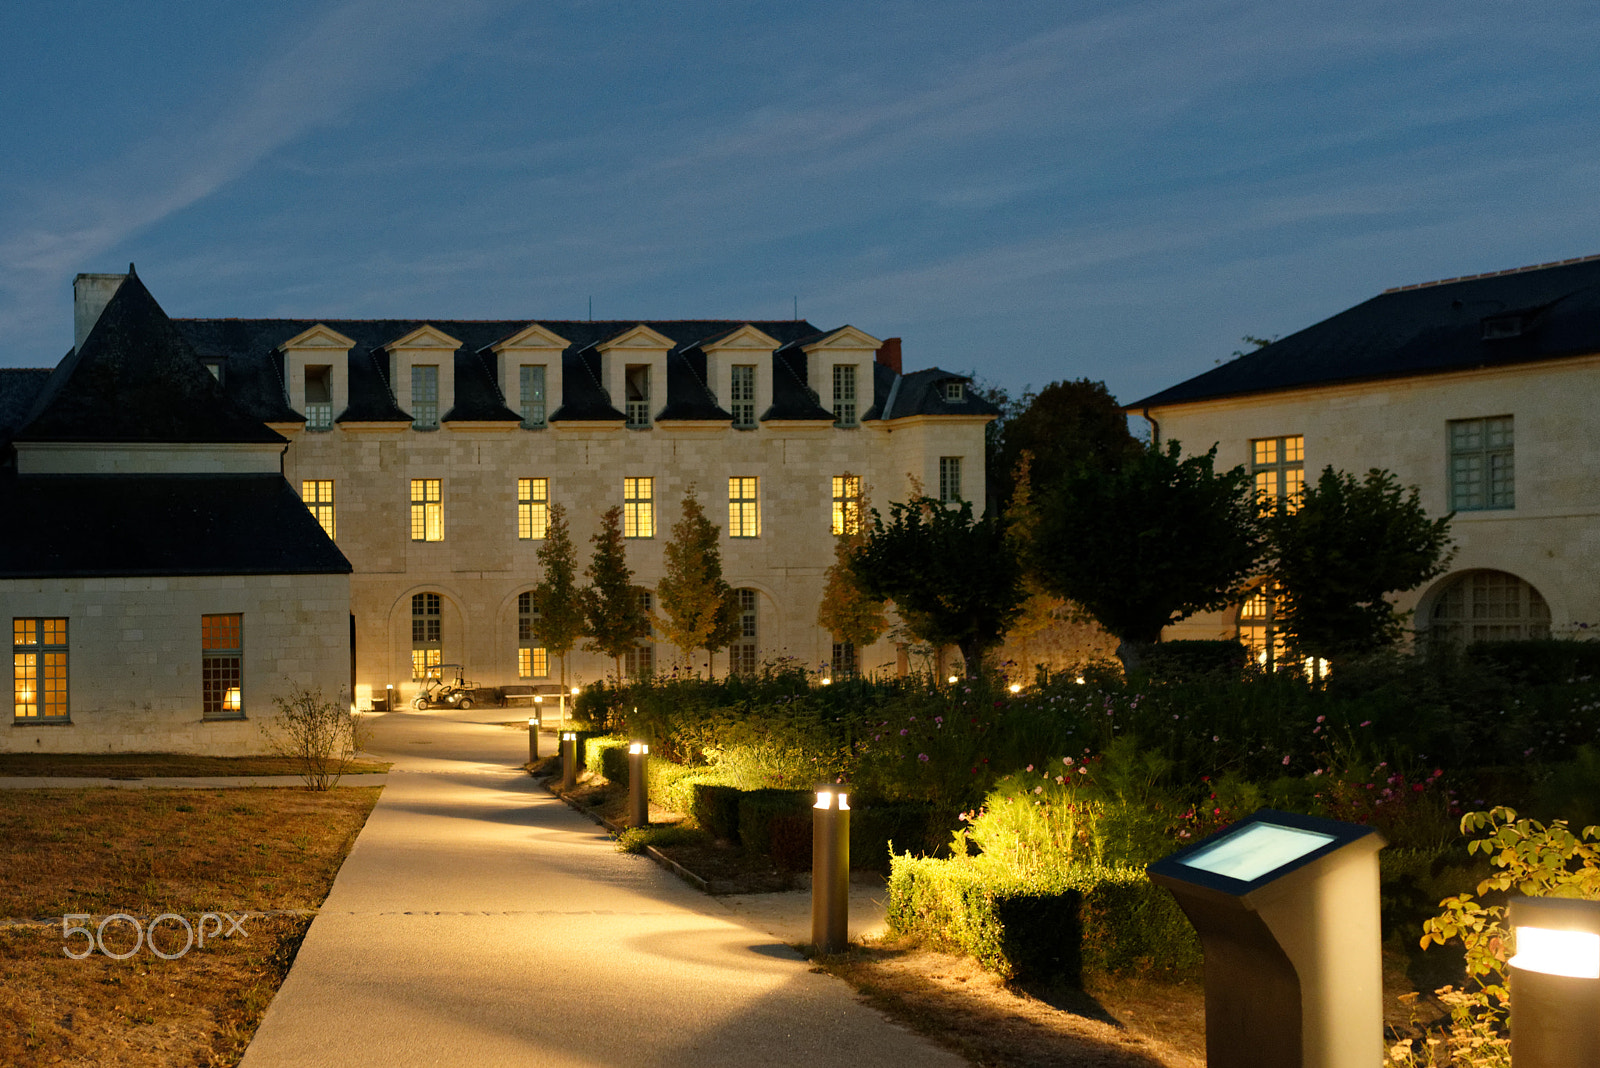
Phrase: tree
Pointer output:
(1066, 425)
(698, 609)
(611, 602)
(1148, 544)
(557, 601)
(953, 579)
(847, 612)
(1338, 550)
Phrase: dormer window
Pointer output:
(533, 407)
(742, 396)
(319, 398)
(844, 394)
(637, 385)
(955, 392)
(425, 397)
(1496, 327)
(215, 367)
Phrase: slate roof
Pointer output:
(19, 391)
(1505, 318)
(136, 379)
(126, 525)
(922, 393)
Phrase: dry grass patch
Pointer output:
(157, 765)
(145, 852)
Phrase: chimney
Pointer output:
(889, 355)
(90, 295)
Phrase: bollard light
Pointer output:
(1555, 982)
(638, 785)
(827, 682)
(533, 739)
(388, 697)
(830, 869)
(1015, 687)
(953, 679)
(569, 760)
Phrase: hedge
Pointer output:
(1041, 926)
(1186, 661)
(777, 823)
(1545, 660)
(716, 809)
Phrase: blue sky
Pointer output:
(1036, 191)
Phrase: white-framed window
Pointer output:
(427, 636)
(427, 510)
(744, 508)
(1258, 628)
(1483, 606)
(318, 495)
(533, 661)
(222, 666)
(425, 397)
(844, 660)
(39, 669)
(1278, 469)
(846, 504)
(742, 396)
(844, 394)
(636, 384)
(955, 392)
(950, 479)
(533, 406)
(638, 508)
(1482, 464)
(743, 654)
(533, 508)
(640, 661)
(319, 398)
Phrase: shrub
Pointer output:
(605, 755)
(636, 839)
(1194, 660)
(716, 810)
(922, 827)
(760, 809)
(1547, 660)
(318, 734)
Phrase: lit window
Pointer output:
(427, 634)
(533, 662)
(950, 478)
(425, 397)
(744, 510)
(955, 392)
(844, 394)
(427, 510)
(1258, 630)
(1484, 606)
(533, 508)
(638, 508)
(318, 495)
(319, 398)
(532, 396)
(640, 661)
(742, 396)
(844, 660)
(1278, 466)
(39, 669)
(846, 504)
(222, 666)
(742, 654)
(637, 388)
(1482, 468)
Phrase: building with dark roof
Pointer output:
(163, 581)
(431, 452)
(1482, 391)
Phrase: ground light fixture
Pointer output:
(1015, 687)
(388, 697)
(534, 723)
(638, 785)
(830, 869)
(1286, 907)
(1555, 982)
(827, 681)
(569, 760)
(953, 679)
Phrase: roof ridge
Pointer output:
(1493, 274)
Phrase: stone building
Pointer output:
(431, 451)
(1481, 391)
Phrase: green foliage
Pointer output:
(1548, 660)
(558, 602)
(698, 607)
(1144, 546)
(1066, 426)
(1195, 660)
(716, 809)
(616, 621)
(637, 839)
(953, 578)
(777, 823)
(1339, 550)
(847, 611)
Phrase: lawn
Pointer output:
(267, 852)
(157, 765)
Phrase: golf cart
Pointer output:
(448, 689)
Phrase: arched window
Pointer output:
(1482, 606)
(427, 634)
(533, 662)
(1258, 629)
(743, 653)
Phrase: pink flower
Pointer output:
(1366, 723)
(1286, 760)
(922, 757)
(1321, 718)
(1038, 789)
(904, 732)
(1030, 767)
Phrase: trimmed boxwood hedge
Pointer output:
(1042, 926)
(716, 810)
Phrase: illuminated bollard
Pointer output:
(569, 760)
(830, 870)
(638, 785)
(1555, 983)
(533, 739)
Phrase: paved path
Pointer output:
(479, 921)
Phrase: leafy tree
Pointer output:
(1066, 425)
(616, 620)
(848, 612)
(954, 579)
(1150, 543)
(557, 601)
(1338, 550)
(698, 607)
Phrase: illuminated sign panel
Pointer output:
(1255, 850)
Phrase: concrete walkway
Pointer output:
(480, 921)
